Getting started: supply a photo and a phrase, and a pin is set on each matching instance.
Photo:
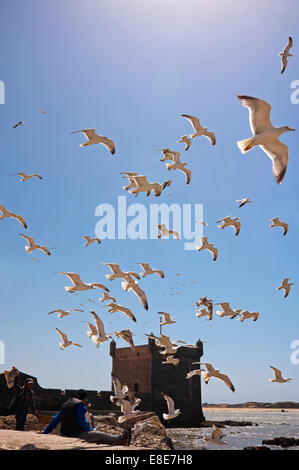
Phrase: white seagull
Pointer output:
(227, 221)
(199, 130)
(286, 285)
(285, 54)
(208, 246)
(144, 186)
(134, 287)
(93, 138)
(278, 223)
(66, 341)
(172, 412)
(211, 372)
(63, 313)
(117, 273)
(226, 311)
(247, 315)
(6, 214)
(106, 296)
(79, 286)
(216, 436)
(243, 201)
(120, 391)
(278, 376)
(148, 270)
(185, 139)
(128, 409)
(100, 336)
(89, 240)
(170, 359)
(167, 319)
(165, 232)
(180, 166)
(126, 335)
(205, 313)
(265, 135)
(33, 246)
(113, 307)
(26, 177)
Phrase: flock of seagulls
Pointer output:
(265, 136)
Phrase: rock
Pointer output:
(282, 441)
(227, 422)
(257, 448)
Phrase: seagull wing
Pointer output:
(288, 46)
(284, 63)
(259, 113)
(20, 219)
(109, 144)
(63, 335)
(211, 136)
(139, 292)
(194, 121)
(170, 403)
(279, 154)
(74, 278)
(226, 380)
(277, 373)
(29, 239)
(140, 180)
(99, 324)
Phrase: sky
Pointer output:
(129, 69)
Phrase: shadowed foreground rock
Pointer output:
(257, 448)
(282, 441)
(227, 422)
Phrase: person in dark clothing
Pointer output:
(72, 417)
(23, 402)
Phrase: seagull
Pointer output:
(130, 175)
(171, 347)
(278, 376)
(180, 166)
(20, 123)
(265, 135)
(286, 285)
(100, 336)
(243, 201)
(172, 412)
(65, 340)
(227, 221)
(93, 138)
(118, 273)
(148, 270)
(194, 372)
(89, 240)
(199, 130)
(33, 246)
(208, 246)
(128, 409)
(127, 335)
(185, 139)
(206, 302)
(211, 372)
(106, 296)
(80, 285)
(203, 313)
(226, 310)
(277, 223)
(120, 391)
(170, 359)
(144, 186)
(165, 232)
(216, 436)
(168, 154)
(143, 427)
(43, 112)
(113, 307)
(247, 315)
(64, 313)
(6, 214)
(167, 319)
(134, 287)
(285, 54)
(25, 176)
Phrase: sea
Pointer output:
(270, 424)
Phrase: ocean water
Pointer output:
(270, 424)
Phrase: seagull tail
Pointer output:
(246, 144)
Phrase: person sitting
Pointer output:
(73, 423)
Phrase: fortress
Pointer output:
(142, 370)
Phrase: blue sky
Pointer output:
(129, 69)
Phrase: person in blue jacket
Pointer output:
(73, 423)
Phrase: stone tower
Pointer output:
(142, 370)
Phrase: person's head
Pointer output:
(82, 395)
(29, 384)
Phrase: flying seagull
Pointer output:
(113, 307)
(64, 313)
(128, 409)
(180, 166)
(93, 138)
(25, 176)
(208, 246)
(216, 436)
(66, 341)
(265, 135)
(165, 232)
(285, 54)
(199, 130)
(79, 285)
(243, 201)
(126, 335)
(172, 412)
(286, 285)
(227, 221)
(203, 313)
(247, 315)
(106, 296)
(33, 246)
(170, 359)
(167, 319)
(185, 139)
(277, 223)
(278, 376)
(117, 273)
(226, 311)
(100, 336)
(6, 214)
(211, 372)
(120, 391)
(134, 287)
(20, 123)
(148, 270)
(89, 240)
(144, 186)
